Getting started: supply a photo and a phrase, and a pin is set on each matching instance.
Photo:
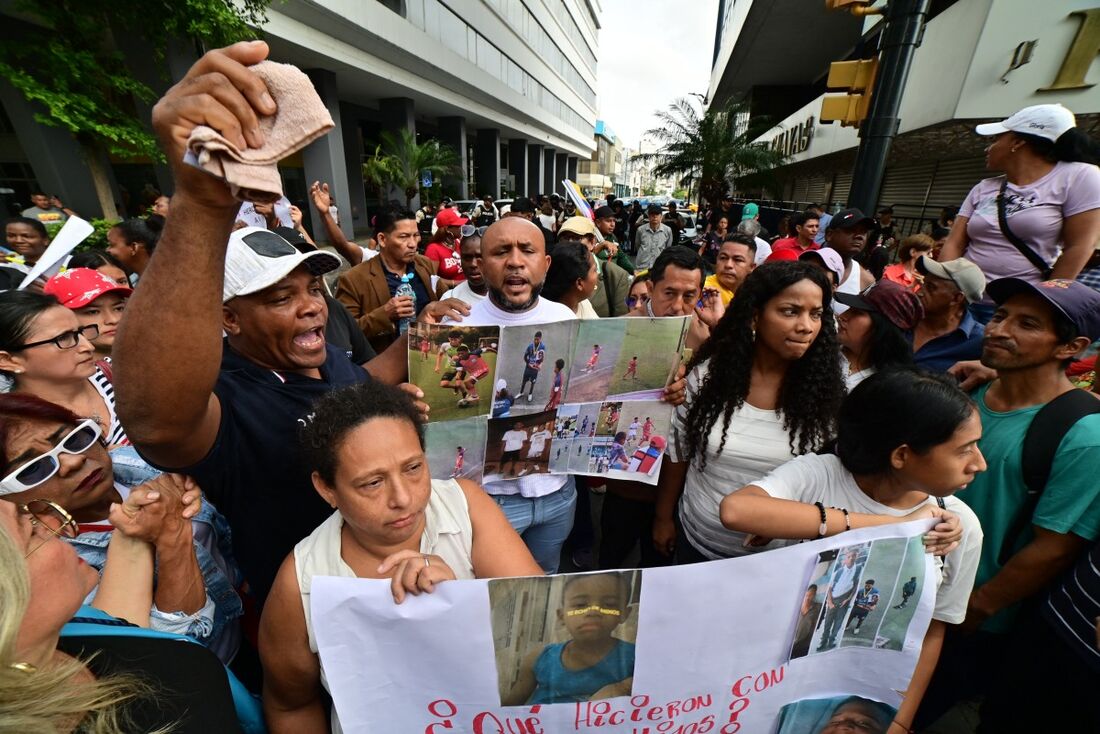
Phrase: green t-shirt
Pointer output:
(1069, 504)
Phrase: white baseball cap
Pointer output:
(1045, 120)
(258, 258)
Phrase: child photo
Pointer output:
(519, 445)
(594, 359)
(454, 366)
(565, 639)
(533, 362)
(897, 568)
(835, 715)
(456, 449)
(648, 357)
(638, 439)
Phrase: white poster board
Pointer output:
(75, 231)
(716, 647)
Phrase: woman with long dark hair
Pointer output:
(762, 389)
(907, 441)
(572, 277)
(1041, 219)
(872, 331)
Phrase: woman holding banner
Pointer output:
(392, 521)
(764, 387)
(907, 440)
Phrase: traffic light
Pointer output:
(858, 79)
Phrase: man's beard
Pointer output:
(499, 300)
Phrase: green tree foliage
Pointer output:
(72, 66)
(708, 149)
(407, 159)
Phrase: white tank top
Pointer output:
(848, 285)
(448, 533)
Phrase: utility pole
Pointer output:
(899, 40)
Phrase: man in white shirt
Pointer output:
(513, 443)
(513, 264)
(534, 451)
(838, 598)
(473, 289)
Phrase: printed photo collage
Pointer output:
(574, 397)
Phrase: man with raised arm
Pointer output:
(227, 411)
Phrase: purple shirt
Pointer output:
(1035, 214)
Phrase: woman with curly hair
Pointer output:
(764, 388)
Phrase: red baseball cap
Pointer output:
(450, 218)
(782, 255)
(78, 287)
(901, 306)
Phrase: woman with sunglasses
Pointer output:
(69, 667)
(49, 455)
(45, 351)
(443, 246)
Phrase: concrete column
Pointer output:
(55, 157)
(324, 158)
(487, 162)
(517, 164)
(561, 166)
(571, 168)
(534, 169)
(353, 159)
(452, 132)
(399, 113)
(549, 171)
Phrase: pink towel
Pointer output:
(253, 174)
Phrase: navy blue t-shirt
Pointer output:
(393, 280)
(254, 473)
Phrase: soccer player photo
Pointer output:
(457, 374)
(519, 445)
(529, 365)
(456, 449)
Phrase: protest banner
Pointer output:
(769, 642)
(572, 397)
(252, 218)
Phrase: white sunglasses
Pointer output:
(39, 469)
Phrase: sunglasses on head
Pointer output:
(469, 230)
(268, 244)
(36, 471)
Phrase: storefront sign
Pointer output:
(795, 139)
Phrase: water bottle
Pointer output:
(405, 288)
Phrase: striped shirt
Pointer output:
(1074, 605)
(115, 435)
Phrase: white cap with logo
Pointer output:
(258, 258)
(1045, 120)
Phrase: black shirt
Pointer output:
(393, 280)
(254, 473)
(342, 332)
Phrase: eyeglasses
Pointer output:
(68, 340)
(52, 517)
(39, 469)
(469, 230)
(632, 301)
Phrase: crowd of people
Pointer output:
(201, 418)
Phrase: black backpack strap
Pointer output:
(1049, 426)
(941, 503)
(1002, 220)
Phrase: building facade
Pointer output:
(599, 175)
(508, 84)
(961, 75)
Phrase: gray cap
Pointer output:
(967, 276)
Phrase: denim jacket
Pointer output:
(215, 624)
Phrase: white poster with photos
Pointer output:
(780, 641)
(574, 397)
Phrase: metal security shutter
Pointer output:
(953, 182)
(801, 189)
(815, 187)
(904, 188)
(841, 186)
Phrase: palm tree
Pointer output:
(407, 160)
(706, 148)
(376, 172)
